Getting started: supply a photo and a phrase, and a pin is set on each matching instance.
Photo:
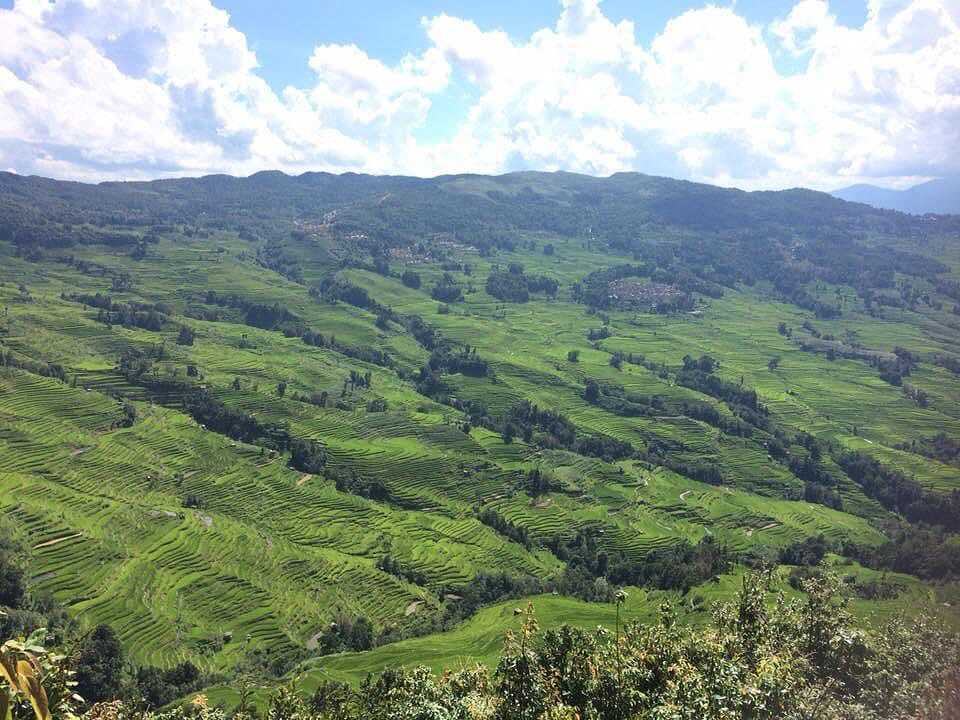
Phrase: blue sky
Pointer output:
(284, 32)
(754, 94)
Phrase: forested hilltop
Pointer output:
(308, 429)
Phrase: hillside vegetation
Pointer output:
(790, 661)
(326, 425)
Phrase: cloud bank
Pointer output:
(108, 89)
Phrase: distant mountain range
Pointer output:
(940, 196)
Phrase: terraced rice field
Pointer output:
(271, 552)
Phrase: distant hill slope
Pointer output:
(936, 196)
(699, 237)
(396, 210)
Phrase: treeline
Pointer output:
(350, 481)
(950, 362)
(33, 237)
(372, 355)
(940, 447)
(306, 455)
(543, 428)
(791, 287)
(274, 256)
(517, 533)
(210, 412)
(592, 573)
(447, 290)
(106, 302)
(146, 316)
(347, 632)
(276, 317)
(788, 238)
(393, 566)
(446, 356)
(705, 471)
(334, 289)
(156, 686)
(44, 369)
(927, 552)
(463, 360)
(553, 431)
(260, 315)
(948, 287)
(807, 556)
(893, 371)
(820, 486)
(698, 374)
(614, 398)
(900, 494)
(748, 252)
(513, 285)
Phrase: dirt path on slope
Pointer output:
(55, 541)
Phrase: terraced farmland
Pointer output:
(187, 538)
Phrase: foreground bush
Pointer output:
(801, 660)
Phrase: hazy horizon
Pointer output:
(454, 174)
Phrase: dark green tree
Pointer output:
(100, 665)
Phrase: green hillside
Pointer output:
(233, 411)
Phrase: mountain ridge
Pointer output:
(940, 196)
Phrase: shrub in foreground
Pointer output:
(795, 660)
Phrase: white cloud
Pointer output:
(95, 89)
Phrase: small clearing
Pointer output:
(78, 451)
(412, 608)
(303, 479)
